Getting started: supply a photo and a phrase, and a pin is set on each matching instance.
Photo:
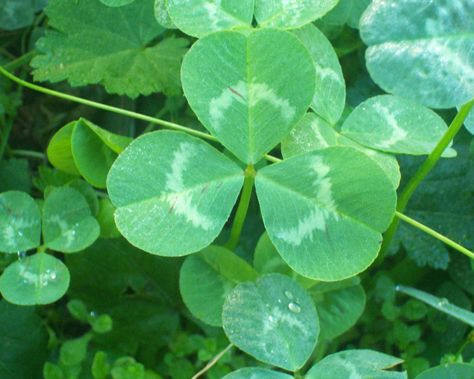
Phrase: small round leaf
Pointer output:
(273, 319)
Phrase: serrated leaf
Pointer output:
(38, 279)
(162, 15)
(325, 211)
(330, 95)
(290, 13)
(395, 125)
(313, 133)
(421, 50)
(162, 191)
(273, 319)
(256, 373)
(357, 364)
(238, 87)
(201, 17)
(20, 222)
(449, 371)
(68, 224)
(207, 277)
(124, 59)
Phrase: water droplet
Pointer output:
(271, 319)
(21, 255)
(289, 295)
(93, 314)
(398, 288)
(279, 301)
(293, 307)
(52, 275)
(20, 233)
(443, 302)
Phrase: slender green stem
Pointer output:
(425, 169)
(20, 61)
(212, 362)
(28, 154)
(435, 234)
(242, 209)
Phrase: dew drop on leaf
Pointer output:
(289, 295)
(293, 307)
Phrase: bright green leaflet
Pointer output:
(395, 125)
(356, 364)
(325, 211)
(290, 13)
(59, 150)
(20, 222)
(206, 278)
(16, 14)
(200, 17)
(68, 224)
(339, 305)
(449, 371)
(256, 373)
(38, 279)
(330, 96)
(162, 15)
(238, 87)
(273, 319)
(441, 304)
(124, 59)
(116, 3)
(168, 184)
(422, 50)
(313, 133)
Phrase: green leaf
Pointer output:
(449, 371)
(15, 175)
(357, 364)
(124, 58)
(162, 191)
(273, 319)
(207, 277)
(256, 373)
(313, 133)
(74, 351)
(16, 14)
(339, 305)
(105, 218)
(325, 211)
(116, 3)
(238, 87)
(24, 341)
(20, 222)
(38, 279)
(290, 13)
(59, 150)
(422, 51)
(68, 224)
(441, 304)
(395, 125)
(330, 95)
(200, 17)
(346, 12)
(162, 15)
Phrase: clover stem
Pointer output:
(28, 154)
(242, 209)
(424, 170)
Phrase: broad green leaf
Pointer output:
(290, 13)
(313, 133)
(200, 17)
(330, 95)
(325, 211)
(162, 15)
(68, 224)
(449, 371)
(395, 125)
(238, 87)
(24, 342)
(273, 319)
(356, 364)
(38, 279)
(422, 50)
(125, 59)
(168, 184)
(20, 222)
(207, 277)
(16, 14)
(339, 305)
(116, 3)
(441, 304)
(256, 373)
(59, 150)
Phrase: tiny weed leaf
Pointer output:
(325, 211)
(273, 319)
(20, 222)
(38, 279)
(238, 87)
(423, 51)
(168, 184)
(256, 373)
